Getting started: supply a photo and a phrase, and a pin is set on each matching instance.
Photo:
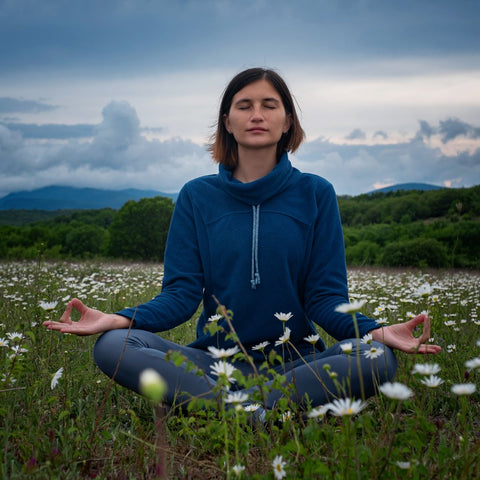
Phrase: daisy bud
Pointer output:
(152, 385)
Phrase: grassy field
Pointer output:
(61, 418)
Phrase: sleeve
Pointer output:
(183, 281)
(326, 284)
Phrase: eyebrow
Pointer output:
(266, 99)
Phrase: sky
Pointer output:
(124, 94)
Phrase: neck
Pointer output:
(254, 165)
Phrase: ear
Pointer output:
(226, 122)
(288, 123)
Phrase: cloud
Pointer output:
(356, 134)
(117, 156)
(15, 105)
(355, 169)
(51, 130)
(380, 134)
(453, 128)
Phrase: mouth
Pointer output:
(256, 130)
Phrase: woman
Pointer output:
(262, 238)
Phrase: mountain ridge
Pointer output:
(57, 197)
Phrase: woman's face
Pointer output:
(257, 117)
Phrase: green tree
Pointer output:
(139, 229)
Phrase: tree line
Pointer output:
(437, 228)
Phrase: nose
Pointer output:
(257, 114)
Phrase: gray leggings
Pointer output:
(141, 349)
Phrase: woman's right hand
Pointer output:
(91, 321)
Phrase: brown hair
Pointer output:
(223, 145)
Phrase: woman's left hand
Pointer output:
(400, 336)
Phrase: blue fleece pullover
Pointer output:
(272, 245)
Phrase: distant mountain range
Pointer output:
(70, 198)
(407, 186)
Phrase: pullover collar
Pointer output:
(255, 193)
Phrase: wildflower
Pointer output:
(367, 339)
(473, 363)
(222, 352)
(48, 306)
(215, 318)
(374, 352)
(432, 381)
(14, 336)
(3, 342)
(236, 397)
(251, 407)
(279, 467)
(17, 349)
(56, 377)
(319, 411)
(284, 317)
(463, 388)
(224, 369)
(346, 347)
(313, 339)
(396, 391)
(261, 346)
(382, 321)
(351, 307)
(451, 348)
(346, 407)
(403, 465)
(426, 368)
(152, 385)
(286, 416)
(284, 338)
(423, 291)
(238, 469)
(450, 323)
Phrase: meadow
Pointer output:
(60, 417)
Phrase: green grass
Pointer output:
(88, 427)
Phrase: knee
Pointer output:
(108, 348)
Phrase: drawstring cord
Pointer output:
(255, 280)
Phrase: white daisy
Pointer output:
(238, 469)
(56, 377)
(319, 411)
(473, 363)
(279, 467)
(346, 347)
(346, 407)
(351, 307)
(48, 306)
(396, 391)
(215, 318)
(224, 369)
(284, 338)
(261, 346)
(284, 317)
(432, 381)
(464, 388)
(313, 339)
(367, 339)
(222, 352)
(426, 368)
(236, 397)
(374, 352)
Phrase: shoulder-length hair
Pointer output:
(223, 145)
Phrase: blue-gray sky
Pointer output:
(118, 94)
